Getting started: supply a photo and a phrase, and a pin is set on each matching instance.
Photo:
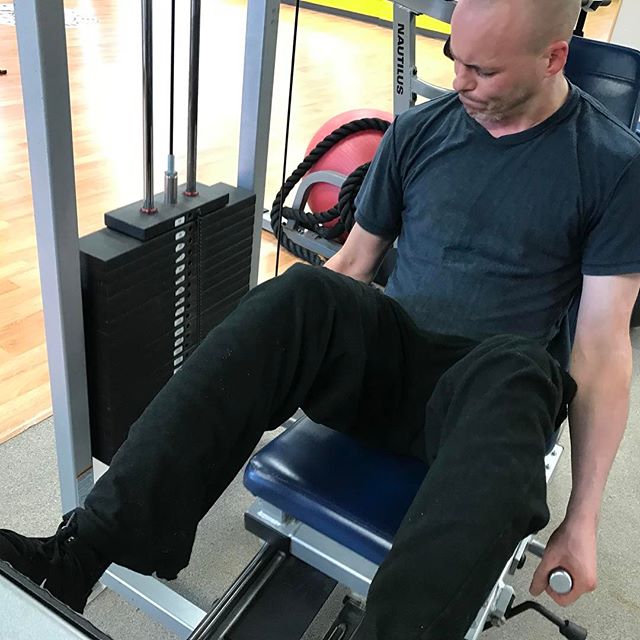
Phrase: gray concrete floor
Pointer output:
(31, 504)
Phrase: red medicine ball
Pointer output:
(345, 157)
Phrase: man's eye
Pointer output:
(486, 74)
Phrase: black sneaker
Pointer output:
(62, 564)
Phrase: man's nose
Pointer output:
(464, 80)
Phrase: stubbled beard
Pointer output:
(481, 116)
(484, 116)
(505, 113)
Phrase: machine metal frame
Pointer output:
(45, 82)
(356, 572)
(407, 86)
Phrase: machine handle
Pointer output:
(560, 581)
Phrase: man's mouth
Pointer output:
(470, 101)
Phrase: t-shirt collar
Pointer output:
(558, 116)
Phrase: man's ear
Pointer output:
(557, 54)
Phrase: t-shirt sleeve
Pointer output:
(612, 244)
(379, 202)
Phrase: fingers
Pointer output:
(566, 599)
(539, 583)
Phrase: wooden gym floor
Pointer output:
(342, 64)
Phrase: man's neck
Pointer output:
(537, 111)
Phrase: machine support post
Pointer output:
(194, 85)
(257, 93)
(404, 58)
(45, 87)
(147, 104)
(579, 29)
(156, 599)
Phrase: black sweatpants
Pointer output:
(479, 414)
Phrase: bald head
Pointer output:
(552, 20)
(509, 58)
(541, 22)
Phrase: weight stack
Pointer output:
(153, 286)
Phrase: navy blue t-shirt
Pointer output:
(494, 235)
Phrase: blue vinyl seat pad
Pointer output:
(354, 494)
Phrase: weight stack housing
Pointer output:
(153, 286)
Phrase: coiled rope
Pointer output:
(345, 207)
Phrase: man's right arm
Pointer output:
(360, 256)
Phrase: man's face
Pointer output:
(497, 70)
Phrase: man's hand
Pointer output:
(573, 547)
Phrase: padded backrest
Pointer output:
(610, 73)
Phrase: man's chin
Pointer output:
(473, 108)
(487, 119)
(479, 112)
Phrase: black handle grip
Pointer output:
(573, 631)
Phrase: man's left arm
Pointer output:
(601, 364)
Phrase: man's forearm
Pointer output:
(340, 264)
(598, 418)
(360, 256)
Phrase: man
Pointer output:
(507, 197)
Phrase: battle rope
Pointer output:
(345, 207)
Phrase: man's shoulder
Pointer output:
(609, 136)
(447, 105)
